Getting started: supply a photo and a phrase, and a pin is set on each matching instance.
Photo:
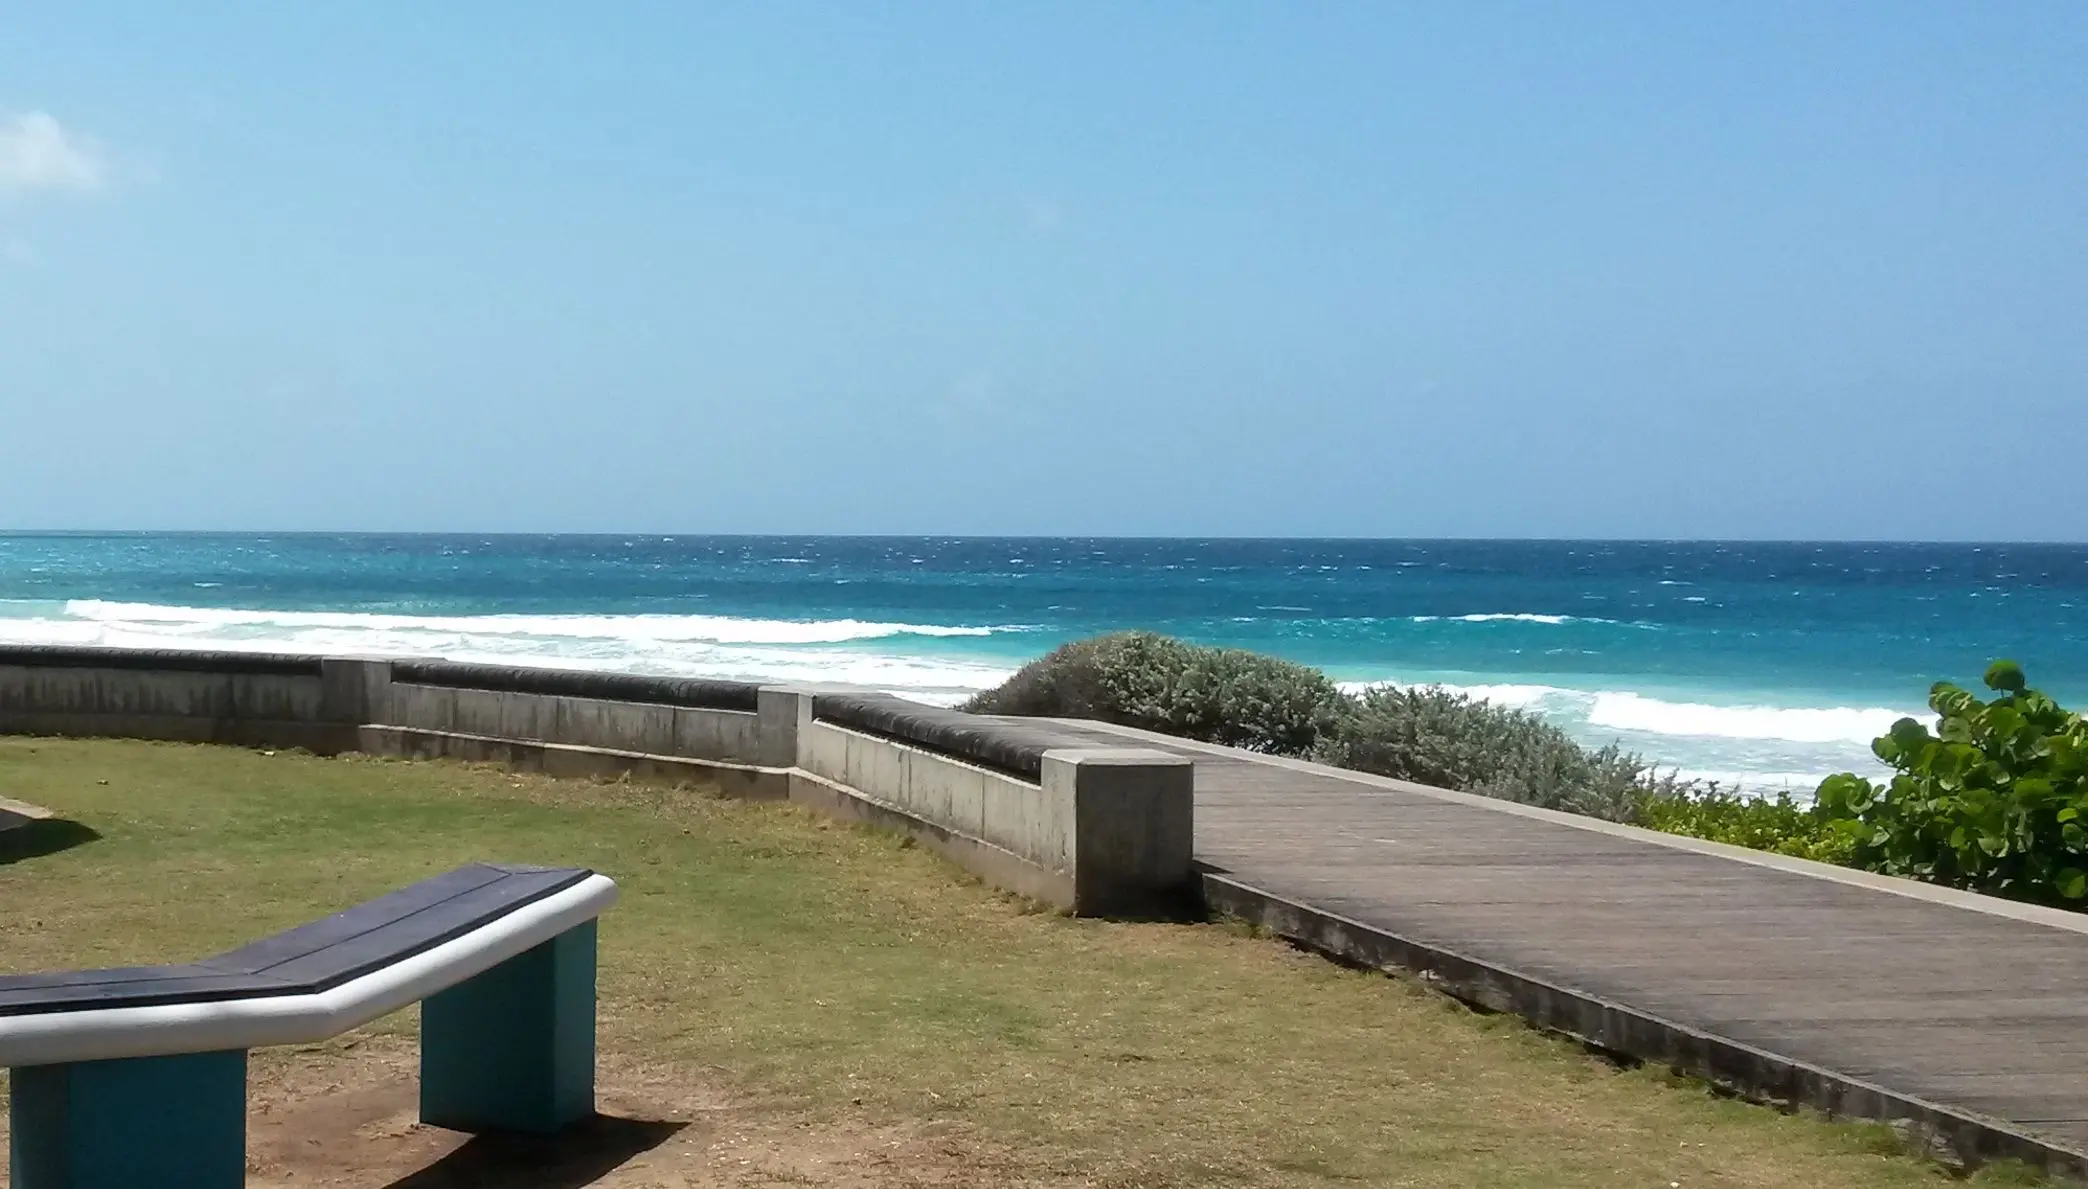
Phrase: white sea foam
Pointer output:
(1611, 710)
(1833, 724)
(1518, 617)
(1522, 697)
(669, 645)
(1508, 617)
(712, 628)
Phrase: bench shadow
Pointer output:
(38, 837)
(577, 1156)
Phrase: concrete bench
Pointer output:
(137, 1076)
(19, 813)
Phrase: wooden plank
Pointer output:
(355, 922)
(410, 931)
(181, 984)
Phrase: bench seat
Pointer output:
(305, 960)
(17, 813)
(136, 1075)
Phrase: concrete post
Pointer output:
(782, 713)
(1133, 814)
(355, 690)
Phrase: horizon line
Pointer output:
(7, 533)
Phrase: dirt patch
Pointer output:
(344, 1116)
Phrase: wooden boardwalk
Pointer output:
(1848, 991)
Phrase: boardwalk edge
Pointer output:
(1749, 1072)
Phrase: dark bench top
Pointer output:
(1004, 745)
(310, 958)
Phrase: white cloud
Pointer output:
(38, 153)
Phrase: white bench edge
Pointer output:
(110, 1033)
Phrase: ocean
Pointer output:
(1767, 664)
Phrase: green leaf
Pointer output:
(2072, 883)
(2001, 721)
(2006, 676)
(2066, 754)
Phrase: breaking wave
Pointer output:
(675, 645)
(1615, 710)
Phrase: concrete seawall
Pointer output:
(262, 700)
(1095, 830)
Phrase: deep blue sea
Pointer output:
(1770, 662)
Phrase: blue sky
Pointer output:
(1739, 270)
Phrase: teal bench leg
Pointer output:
(513, 1049)
(169, 1122)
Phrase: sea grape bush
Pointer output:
(1452, 740)
(1782, 824)
(1158, 683)
(1992, 801)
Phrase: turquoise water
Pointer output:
(1773, 662)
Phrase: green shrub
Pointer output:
(1783, 826)
(1433, 736)
(1993, 801)
(1141, 679)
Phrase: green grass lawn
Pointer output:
(829, 976)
